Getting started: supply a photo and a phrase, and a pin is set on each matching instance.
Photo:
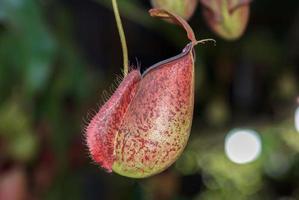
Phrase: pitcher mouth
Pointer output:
(186, 50)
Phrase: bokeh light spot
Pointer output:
(242, 146)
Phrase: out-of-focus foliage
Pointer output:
(16, 130)
(56, 58)
(25, 36)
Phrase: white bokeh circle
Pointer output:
(242, 145)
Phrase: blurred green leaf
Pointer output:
(16, 130)
(32, 45)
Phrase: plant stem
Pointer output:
(122, 37)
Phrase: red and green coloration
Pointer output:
(227, 18)
(144, 127)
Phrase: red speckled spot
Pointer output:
(102, 130)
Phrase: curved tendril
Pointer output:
(204, 41)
